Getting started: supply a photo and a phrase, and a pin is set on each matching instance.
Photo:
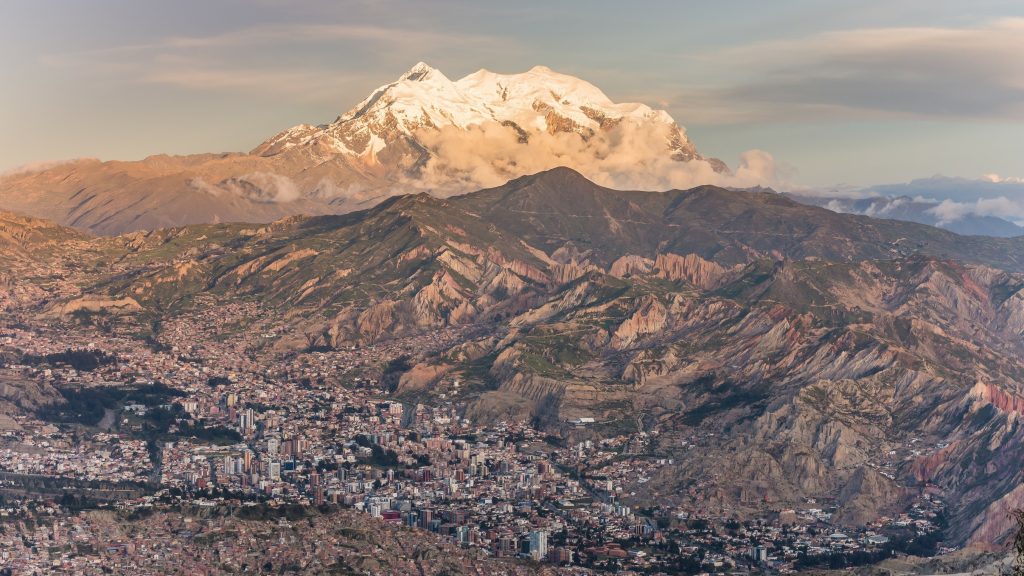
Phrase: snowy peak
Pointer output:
(396, 127)
(539, 83)
(421, 72)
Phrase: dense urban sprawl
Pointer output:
(214, 421)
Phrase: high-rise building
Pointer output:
(247, 420)
(759, 554)
(561, 556)
(506, 545)
(538, 544)
(274, 470)
(426, 517)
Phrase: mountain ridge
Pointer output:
(421, 132)
(805, 347)
(424, 98)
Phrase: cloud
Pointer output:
(974, 72)
(947, 200)
(958, 189)
(262, 187)
(314, 34)
(309, 85)
(1002, 207)
(274, 35)
(633, 155)
(997, 179)
(883, 207)
(293, 60)
(630, 156)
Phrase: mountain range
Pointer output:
(421, 132)
(775, 351)
(806, 354)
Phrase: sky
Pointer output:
(855, 93)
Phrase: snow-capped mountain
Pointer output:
(421, 132)
(392, 126)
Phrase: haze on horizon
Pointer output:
(866, 93)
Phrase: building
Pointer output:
(274, 470)
(561, 556)
(538, 544)
(759, 554)
(247, 420)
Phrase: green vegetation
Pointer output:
(479, 371)
(393, 371)
(290, 512)
(88, 405)
(557, 349)
(922, 545)
(379, 456)
(215, 381)
(81, 360)
(157, 423)
(535, 362)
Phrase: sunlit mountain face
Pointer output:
(422, 132)
(649, 310)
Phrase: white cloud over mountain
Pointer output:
(630, 156)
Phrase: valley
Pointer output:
(694, 368)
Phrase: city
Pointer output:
(223, 429)
(531, 288)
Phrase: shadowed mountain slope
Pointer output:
(813, 354)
